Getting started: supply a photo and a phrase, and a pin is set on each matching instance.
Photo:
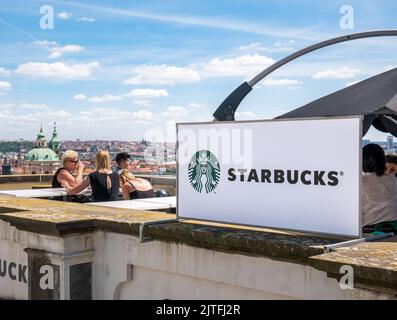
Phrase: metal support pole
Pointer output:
(329, 247)
(226, 110)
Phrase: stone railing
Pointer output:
(159, 182)
(35, 178)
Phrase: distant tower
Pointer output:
(40, 141)
(390, 144)
(20, 158)
(55, 142)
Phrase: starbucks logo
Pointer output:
(204, 171)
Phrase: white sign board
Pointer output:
(302, 174)
(13, 266)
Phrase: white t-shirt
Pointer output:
(379, 198)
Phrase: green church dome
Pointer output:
(41, 154)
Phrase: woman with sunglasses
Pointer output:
(70, 164)
(104, 182)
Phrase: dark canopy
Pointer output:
(374, 98)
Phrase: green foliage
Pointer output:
(15, 146)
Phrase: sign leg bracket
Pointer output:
(328, 248)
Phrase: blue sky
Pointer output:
(116, 69)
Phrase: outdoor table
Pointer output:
(39, 193)
(35, 193)
(171, 201)
(132, 204)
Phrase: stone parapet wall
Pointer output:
(34, 178)
(167, 183)
(222, 260)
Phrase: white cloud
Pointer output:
(195, 105)
(74, 123)
(175, 112)
(105, 98)
(147, 93)
(277, 47)
(27, 119)
(351, 83)
(6, 105)
(163, 74)
(143, 103)
(65, 15)
(4, 72)
(114, 115)
(283, 43)
(58, 69)
(246, 65)
(176, 109)
(140, 94)
(86, 19)
(142, 115)
(252, 47)
(56, 114)
(29, 106)
(59, 51)
(44, 43)
(280, 82)
(341, 73)
(4, 85)
(80, 97)
(245, 115)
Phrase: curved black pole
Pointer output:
(227, 109)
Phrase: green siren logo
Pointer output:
(204, 171)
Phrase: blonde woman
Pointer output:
(70, 163)
(135, 188)
(104, 182)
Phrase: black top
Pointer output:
(136, 194)
(101, 190)
(55, 183)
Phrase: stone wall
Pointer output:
(75, 245)
(127, 269)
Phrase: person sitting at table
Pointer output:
(391, 164)
(104, 182)
(135, 188)
(379, 189)
(122, 160)
(70, 164)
